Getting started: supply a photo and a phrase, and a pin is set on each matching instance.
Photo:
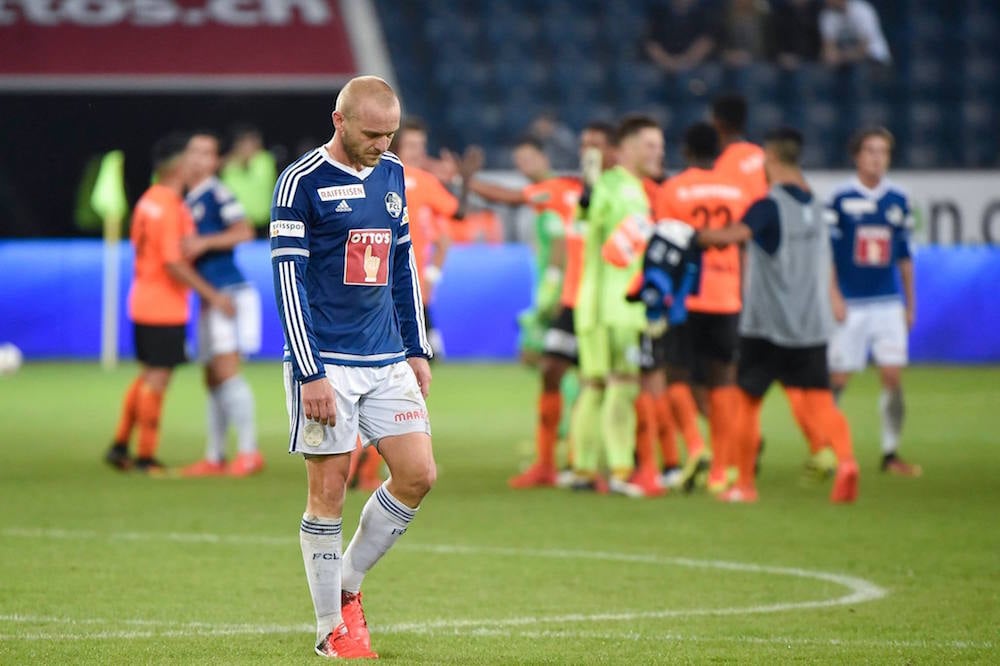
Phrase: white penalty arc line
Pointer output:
(206, 630)
(858, 590)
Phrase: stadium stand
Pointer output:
(495, 65)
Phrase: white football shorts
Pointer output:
(373, 402)
(877, 328)
(220, 334)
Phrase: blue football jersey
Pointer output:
(214, 208)
(345, 277)
(870, 235)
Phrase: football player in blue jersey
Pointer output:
(357, 352)
(871, 250)
(222, 339)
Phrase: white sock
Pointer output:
(890, 405)
(238, 404)
(383, 520)
(321, 542)
(216, 448)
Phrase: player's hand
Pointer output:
(371, 265)
(193, 247)
(839, 307)
(318, 402)
(911, 317)
(472, 161)
(224, 303)
(422, 370)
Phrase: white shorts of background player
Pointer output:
(871, 327)
(219, 334)
(373, 402)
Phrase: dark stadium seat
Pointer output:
(584, 58)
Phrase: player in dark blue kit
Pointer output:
(356, 349)
(871, 251)
(223, 337)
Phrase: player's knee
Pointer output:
(417, 482)
(891, 378)
(552, 374)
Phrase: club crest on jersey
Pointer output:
(394, 204)
(354, 191)
(366, 257)
(895, 215)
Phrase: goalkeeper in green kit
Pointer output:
(608, 326)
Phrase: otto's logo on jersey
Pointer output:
(394, 204)
(355, 191)
(366, 257)
(873, 246)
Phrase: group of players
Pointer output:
(349, 291)
(184, 231)
(751, 297)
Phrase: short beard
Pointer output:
(354, 155)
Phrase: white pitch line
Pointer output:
(859, 590)
(264, 630)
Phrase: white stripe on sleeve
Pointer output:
(298, 341)
(418, 305)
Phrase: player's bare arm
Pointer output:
(183, 272)
(497, 193)
(909, 293)
(836, 297)
(734, 234)
(194, 246)
(472, 161)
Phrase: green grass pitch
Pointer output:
(100, 567)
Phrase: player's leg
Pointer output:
(645, 409)
(327, 457)
(715, 340)
(588, 441)
(234, 391)
(807, 369)
(822, 462)
(848, 348)
(679, 361)
(118, 456)
(148, 411)
(213, 464)
(394, 418)
(558, 355)
(756, 371)
(891, 354)
(618, 418)
(159, 349)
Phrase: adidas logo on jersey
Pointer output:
(343, 207)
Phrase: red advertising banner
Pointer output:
(173, 44)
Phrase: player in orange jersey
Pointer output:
(702, 198)
(158, 301)
(431, 206)
(556, 199)
(742, 163)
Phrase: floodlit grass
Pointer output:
(101, 567)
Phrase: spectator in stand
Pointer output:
(852, 34)
(744, 30)
(795, 31)
(682, 35)
(558, 141)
